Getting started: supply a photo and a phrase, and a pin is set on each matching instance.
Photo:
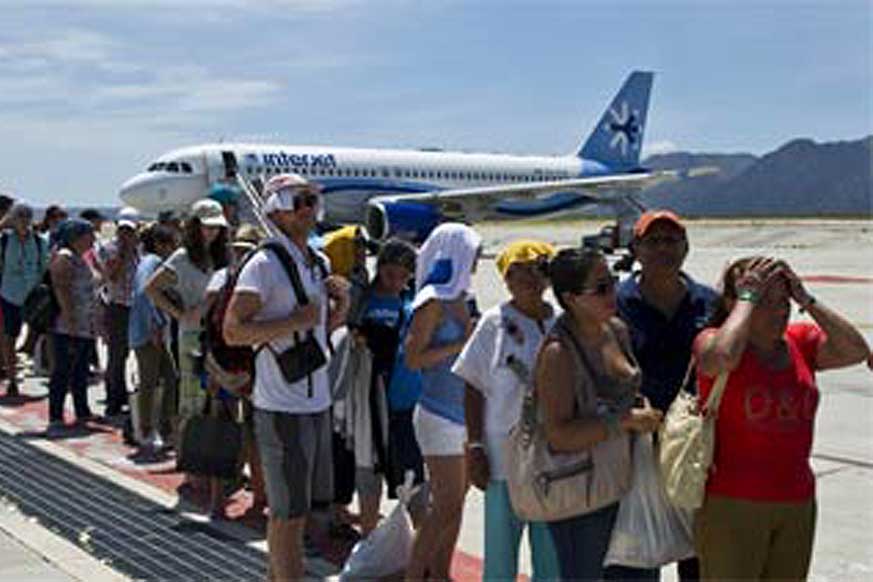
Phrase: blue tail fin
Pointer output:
(617, 139)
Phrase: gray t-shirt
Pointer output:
(191, 283)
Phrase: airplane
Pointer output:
(407, 193)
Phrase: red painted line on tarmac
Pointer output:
(103, 443)
(839, 279)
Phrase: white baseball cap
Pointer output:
(209, 212)
(280, 191)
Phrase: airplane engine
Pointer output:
(411, 221)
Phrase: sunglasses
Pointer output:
(305, 199)
(602, 287)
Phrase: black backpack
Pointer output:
(236, 360)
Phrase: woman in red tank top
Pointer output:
(758, 519)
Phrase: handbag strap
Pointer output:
(714, 400)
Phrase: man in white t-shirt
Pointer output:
(292, 420)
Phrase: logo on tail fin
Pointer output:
(625, 128)
(617, 139)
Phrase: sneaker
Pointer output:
(55, 428)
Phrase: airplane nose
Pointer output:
(143, 192)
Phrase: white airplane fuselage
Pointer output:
(409, 192)
(349, 176)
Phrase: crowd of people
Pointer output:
(267, 321)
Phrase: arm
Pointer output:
(725, 348)
(62, 273)
(844, 345)
(240, 329)
(424, 322)
(554, 379)
(160, 280)
(477, 458)
(338, 302)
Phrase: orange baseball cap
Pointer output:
(650, 217)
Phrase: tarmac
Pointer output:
(41, 538)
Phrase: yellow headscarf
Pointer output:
(523, 251)
(341, 247)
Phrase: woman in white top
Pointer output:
(496, 365)
(178, 287)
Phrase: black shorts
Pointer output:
(12, 321)
(297, 461)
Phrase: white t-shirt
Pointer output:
(502, 331)
(217, 282)
(264, 275)
(190, 283)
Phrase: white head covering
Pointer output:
(280, 190)
(445, 263)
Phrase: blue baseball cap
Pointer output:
(224, 193)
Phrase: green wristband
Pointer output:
(749, 295)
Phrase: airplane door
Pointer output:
(230, 165)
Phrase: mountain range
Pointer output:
(801, 178)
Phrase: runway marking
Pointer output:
(840, 279)
(844, 460)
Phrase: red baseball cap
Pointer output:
(650, 217)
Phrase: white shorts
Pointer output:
(437, 436)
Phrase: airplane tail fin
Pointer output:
(617, 139)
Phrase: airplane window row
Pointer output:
(398, 173)
(174, 167)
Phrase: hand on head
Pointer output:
(759, 275)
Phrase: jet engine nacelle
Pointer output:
(411, 221)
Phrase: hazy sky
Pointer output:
(90, 91)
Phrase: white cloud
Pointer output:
(64, 46)
(659, 147)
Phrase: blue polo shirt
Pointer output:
(663, 346)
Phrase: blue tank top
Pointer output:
(442, 393)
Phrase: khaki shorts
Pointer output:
(738, 539)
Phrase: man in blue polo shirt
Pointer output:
(664, 309)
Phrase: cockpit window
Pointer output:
(186, 167)
(173, 167)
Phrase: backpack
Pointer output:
(233, 367)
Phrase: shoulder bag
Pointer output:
(305, 357)
(549, 486)
(687, 442)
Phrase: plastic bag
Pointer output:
(649, 531)
(386, 551)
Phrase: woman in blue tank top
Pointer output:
(441, 323)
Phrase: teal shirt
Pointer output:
(23, 265)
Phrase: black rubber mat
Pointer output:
(131, 534)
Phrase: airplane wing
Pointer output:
(529, 198)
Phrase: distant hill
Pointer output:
(801, 178)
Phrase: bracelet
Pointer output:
(749, 295)
(808, 304)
